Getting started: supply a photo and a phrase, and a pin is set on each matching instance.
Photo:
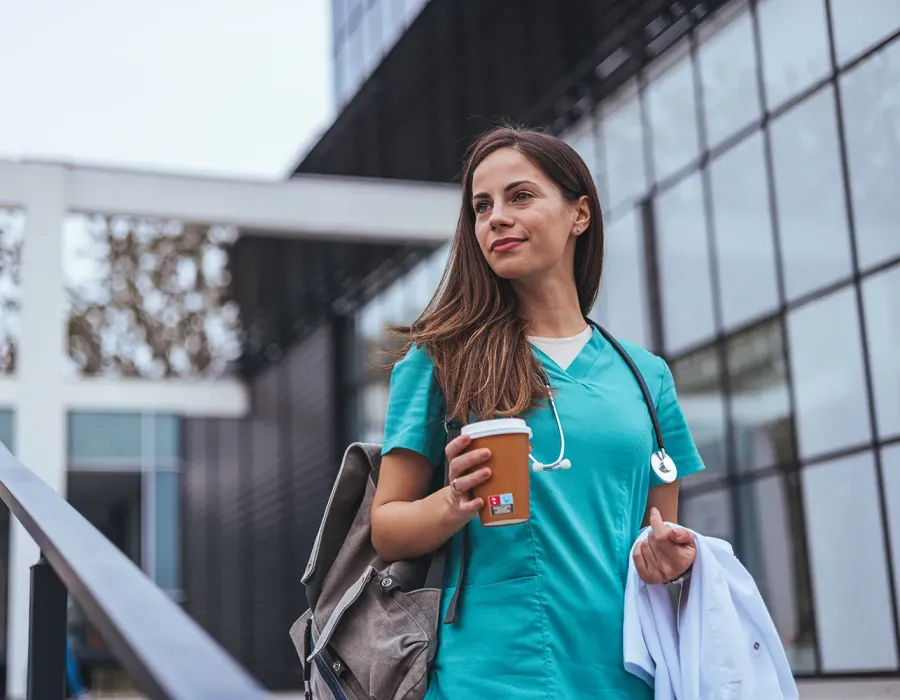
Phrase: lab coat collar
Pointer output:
(723, 643)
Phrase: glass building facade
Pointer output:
(363, 31)
(749, 178)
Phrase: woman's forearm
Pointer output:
(409, 529)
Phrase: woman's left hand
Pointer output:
(666, 553)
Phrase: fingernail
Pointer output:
(485, 453)
(654, 511)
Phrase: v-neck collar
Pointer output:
(583, 362)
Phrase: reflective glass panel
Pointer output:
(105, 439)
(624, 281)
(167, 437)
(672, 111)
(355, 57)
(794, 37)
(709, 512)
(340, 71)
(727, 64)
(760, 405)
(890, 465)
(849, 577)
(623, 147)
(881, 296)
(859, 24)
(581, 137)
(811, 210)
(372, 24)
(6, 429)
(699, 385)
(337, 14)
(827, 365)
(168, 530)
(745, 244)
(771, 517)
(871, 102)
(684, 266)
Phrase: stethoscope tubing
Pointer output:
(667, 471)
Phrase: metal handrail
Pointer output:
(167, 654)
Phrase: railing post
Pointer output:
(47, 634)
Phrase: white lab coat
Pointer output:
(723, 646)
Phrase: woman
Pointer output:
(541, 611)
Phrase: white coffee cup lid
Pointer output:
(496, 426)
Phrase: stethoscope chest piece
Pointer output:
(663, 466)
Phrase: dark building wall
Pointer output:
(254, 491)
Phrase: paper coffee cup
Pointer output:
(507, 493)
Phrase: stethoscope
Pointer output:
(660, 462)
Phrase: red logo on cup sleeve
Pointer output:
(494, 500)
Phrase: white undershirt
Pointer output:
(563, 350)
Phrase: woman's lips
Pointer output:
(505, 244)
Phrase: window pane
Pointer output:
(698, 379)
(859, 24)
(167, 431)
(881, 296)
(340, 72)
(672, 111)
(745, 245)
(337, 14)
(420, 287)
(390, 26)
(794, 37)
(624, 280)
(684, 272)
(99, 439)
(826, 360)
(871, 101)
(374, 410)
(6, 429)
(760, 407)
(623, 145)
(372, 33)
(168, 531)
(811, 211)
(581, 138)
(727, 64)
(771, 519)
(890, 465)
(355, 57)
(846, 550)
(709, 513)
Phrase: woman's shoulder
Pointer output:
(653, 368)
(416, 356)
(414, 368)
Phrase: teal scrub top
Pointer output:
(541, 610)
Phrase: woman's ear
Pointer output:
(582, 212)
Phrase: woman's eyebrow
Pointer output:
(510, 186)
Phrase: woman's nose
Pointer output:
(499, 217)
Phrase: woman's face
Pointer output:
(524, 226)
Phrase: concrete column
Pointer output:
(40, 420)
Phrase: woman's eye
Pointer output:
(521, 196)
(480, 207)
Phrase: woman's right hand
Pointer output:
(466, 472)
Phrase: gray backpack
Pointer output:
(370, 632)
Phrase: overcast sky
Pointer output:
(223, 87)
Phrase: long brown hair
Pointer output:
(472, 329)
